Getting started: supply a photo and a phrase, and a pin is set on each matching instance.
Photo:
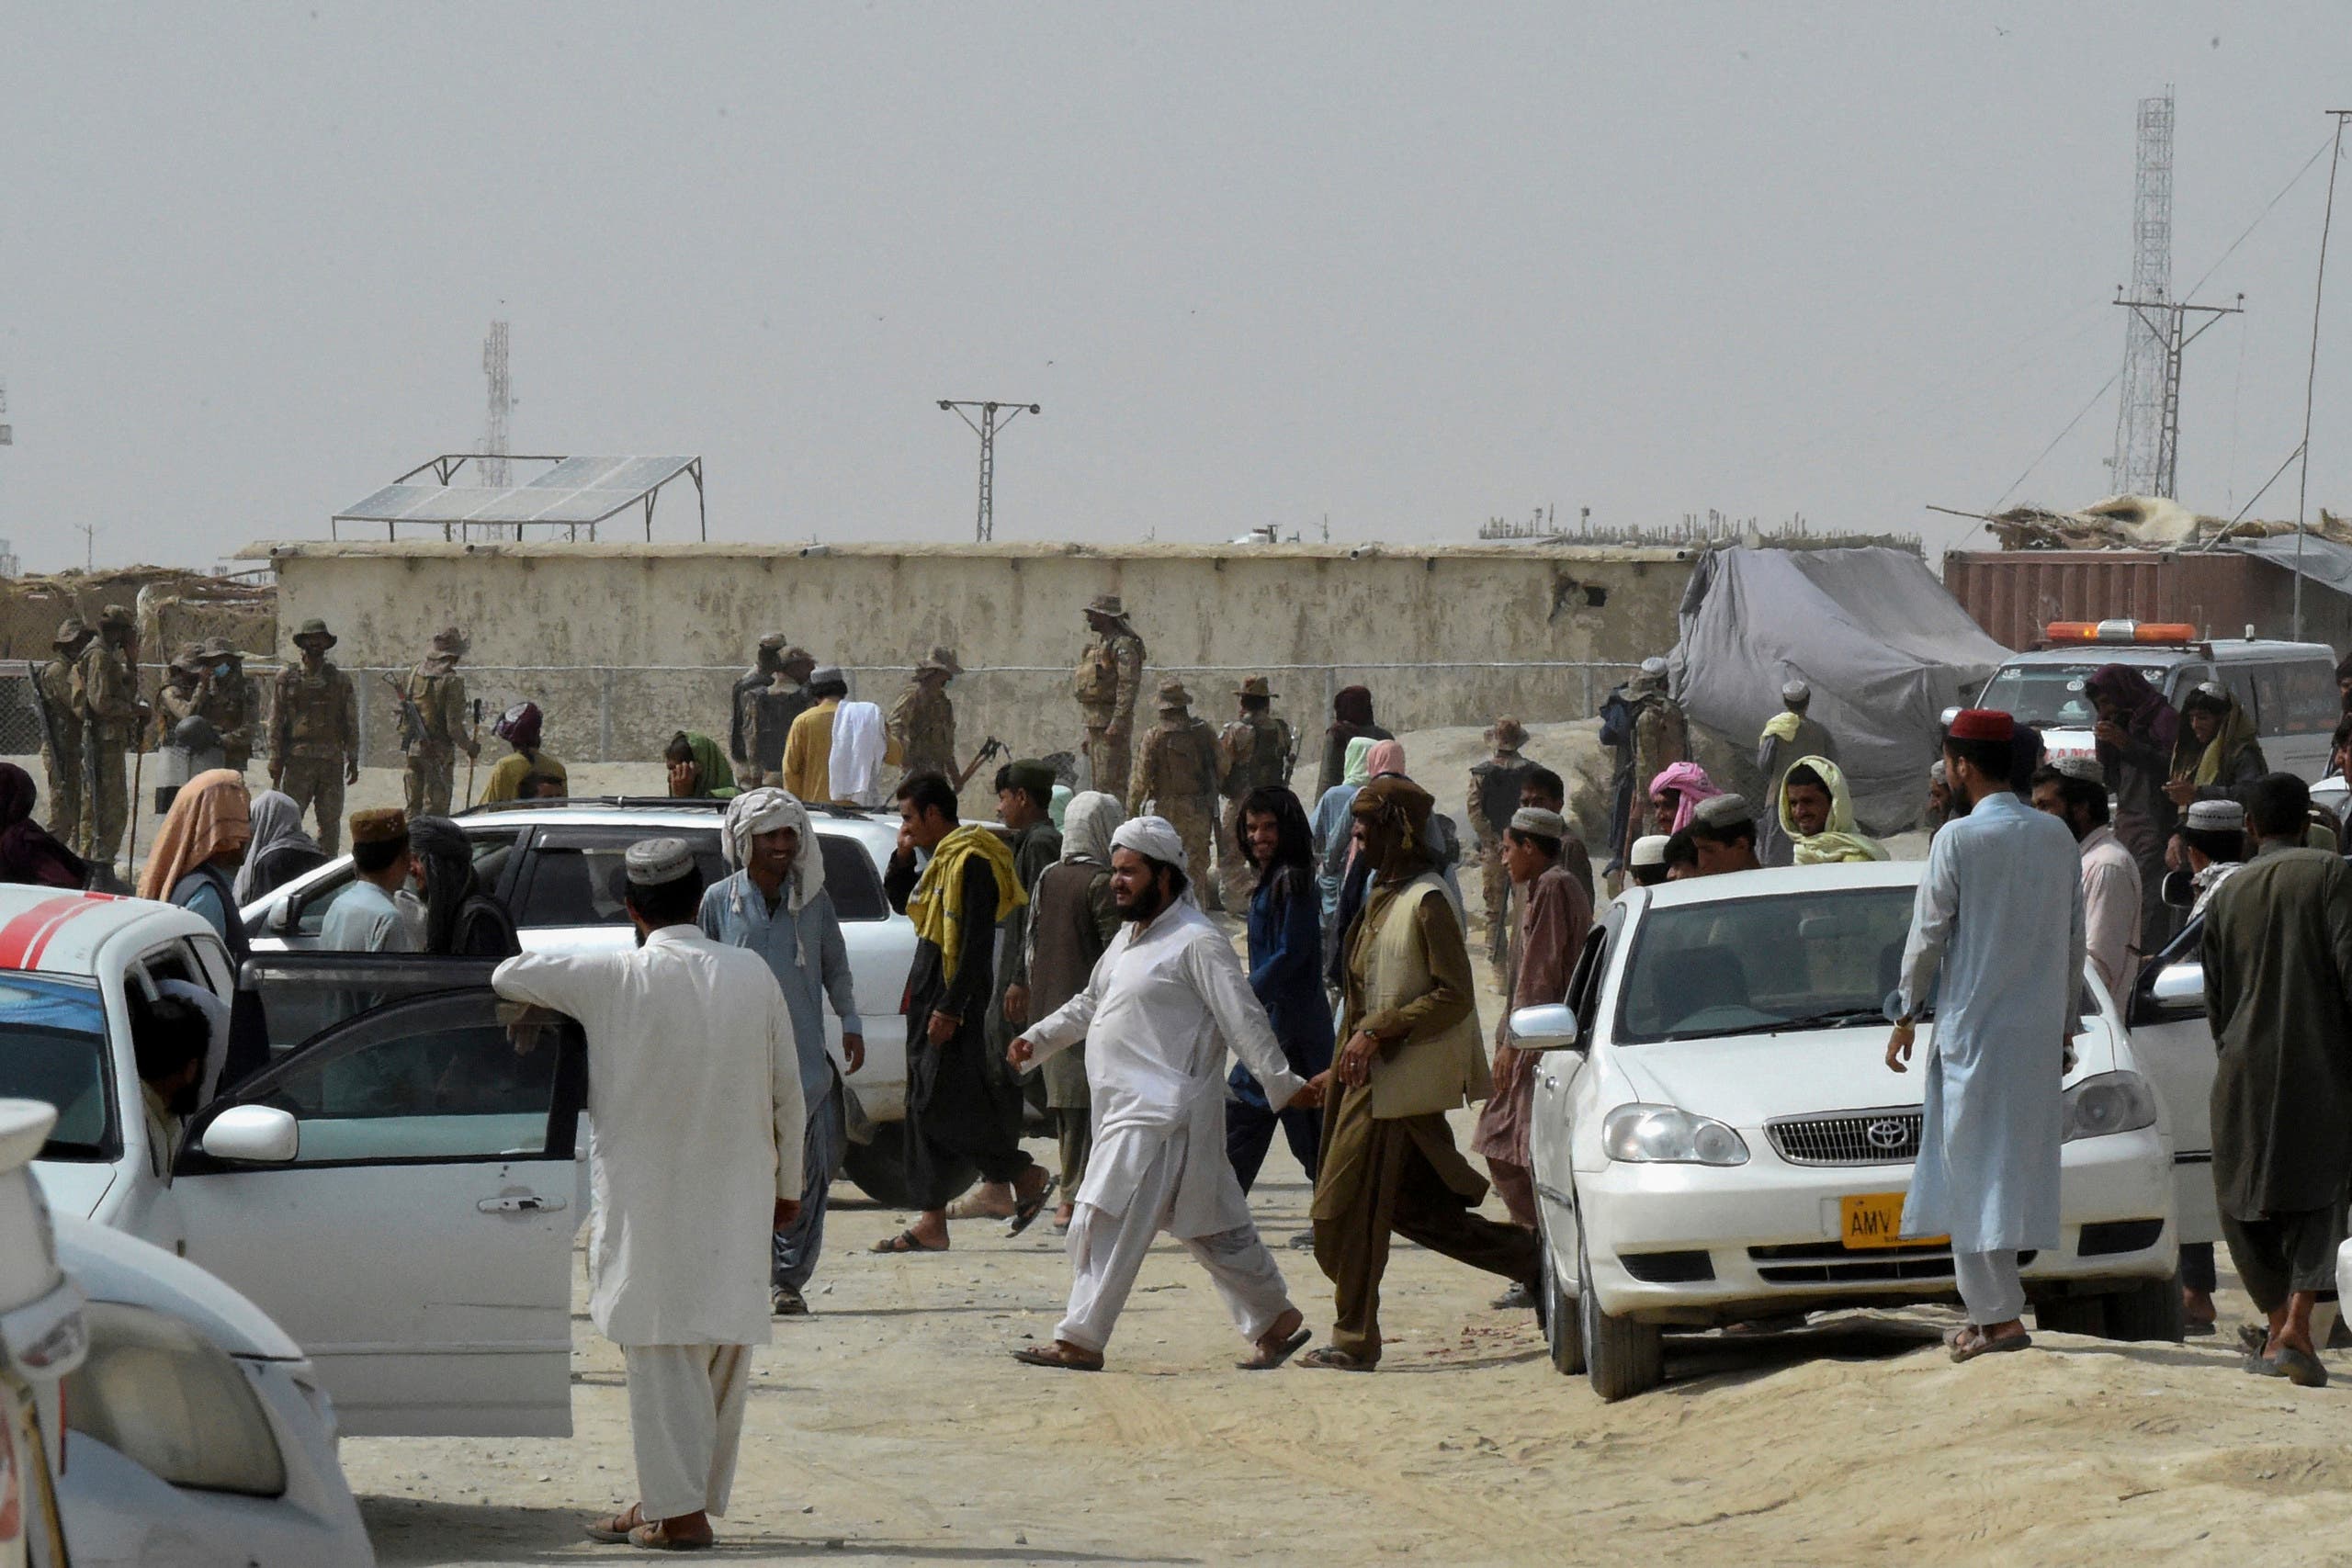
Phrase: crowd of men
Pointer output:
(1069, 954)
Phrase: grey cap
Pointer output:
(824, 673)
(1796, 693)
(652, 862)
(1649, 850)
(1653, 666)
(2087, 769)
(1939, 774)
(2216, 817)
(1543, 823)
(1724, 810)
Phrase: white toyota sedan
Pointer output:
(1716, 1137)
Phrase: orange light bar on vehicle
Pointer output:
(2120, 631)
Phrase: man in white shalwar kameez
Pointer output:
(1166, 1000)
(1998, 921)
(694, 1105)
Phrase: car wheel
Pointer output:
(879, 1168)
(2150, 1310)
(1621, 1357)
(2071, 1315)
(1563, 1330)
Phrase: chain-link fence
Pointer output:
(597, 714)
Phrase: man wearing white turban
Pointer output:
(775, 905)
(1167, 1000)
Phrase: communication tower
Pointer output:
(2140, 415)
(494, 468)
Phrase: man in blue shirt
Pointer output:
(775, 905)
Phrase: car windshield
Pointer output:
(53, 1048)
(1771, 966)
(2051, 697)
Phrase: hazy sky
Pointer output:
(1407, 266)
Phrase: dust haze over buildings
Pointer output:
(1409, 267)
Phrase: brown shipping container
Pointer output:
(2013, 594)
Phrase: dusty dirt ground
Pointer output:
(892, 1428)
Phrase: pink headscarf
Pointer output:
(1385, 757)
(1690, 783)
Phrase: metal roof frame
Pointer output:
(575, 494)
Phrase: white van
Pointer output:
(2289, 688)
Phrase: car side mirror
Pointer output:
(1550, 1027)
(2175, 991)
(281, 918)
(253, 1134)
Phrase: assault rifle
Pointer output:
(411, 721)
(989, 747)
(47, 719)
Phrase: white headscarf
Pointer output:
(854, 769)
(1153, 838)
(765, 811)
(1088, 824)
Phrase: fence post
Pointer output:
(605, 715)
(366, 685)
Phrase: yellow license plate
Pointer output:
(1875, 1219)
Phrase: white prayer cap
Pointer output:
(1796, 693)
(1654, 666)
(1537, 820)
(1649, 850)
(2216, 817)
(2086, 769)
(1937, 774)
(652, 862)
(1153, 838)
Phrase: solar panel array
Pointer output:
(576, 490)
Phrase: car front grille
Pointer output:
(1852, 1137)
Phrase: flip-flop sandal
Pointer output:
(1979, 1343)
(971, 1207)
(614, 1530)
(653, 1538)
(1330, 1359)
(1051, 1355)
(906, 1241)
(2300, 1368)
(1269, 1357)
(1025, 1212)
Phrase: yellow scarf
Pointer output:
(1782, 727)
(936, 904)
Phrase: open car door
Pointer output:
(399, 1191)
(2173, 1039)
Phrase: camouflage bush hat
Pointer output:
(1508, 734)
(69, 631)
(1172, 695)
(190, 657)
(116, 617)
(1107, 605)
(315, 631)
(941, 661)
(1255, 686)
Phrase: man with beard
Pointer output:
(1412, 1054)
(2075, 793)
(1165, 1005)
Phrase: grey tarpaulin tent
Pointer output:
(1884, 647)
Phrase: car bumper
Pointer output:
(1686, 1243)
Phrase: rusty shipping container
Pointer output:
(2013, 594)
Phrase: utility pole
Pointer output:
(2167, 324)
(2311, 377)
(89, 546)
(986, 427)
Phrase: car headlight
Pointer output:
(2110, 1102)
(1668, 1134)
(174, 1403)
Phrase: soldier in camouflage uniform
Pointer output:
(176, 702)
(229, 702)
(105, 696)
(748, 685)
(60, 740)
(923, 719)
(1177, 777)
(439, 693)
(774, 707)
(1110, 673)
(1495, 786)
(1254, 751)
(314, 733)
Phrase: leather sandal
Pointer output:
(615, 1530)
(1065, 1357)
(1331, 1359)
(654, 1538)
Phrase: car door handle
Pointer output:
(1551, 1082)
(522, 1203)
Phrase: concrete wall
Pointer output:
(1314, 618)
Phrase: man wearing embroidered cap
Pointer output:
(1109, 676)
(1554, 913)
(2075, 792)
(366, 917)
(60, 736)
(1723, 829)
(1995, 958)
(695, 1100)
(1789, 735)
(1167, 1001)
